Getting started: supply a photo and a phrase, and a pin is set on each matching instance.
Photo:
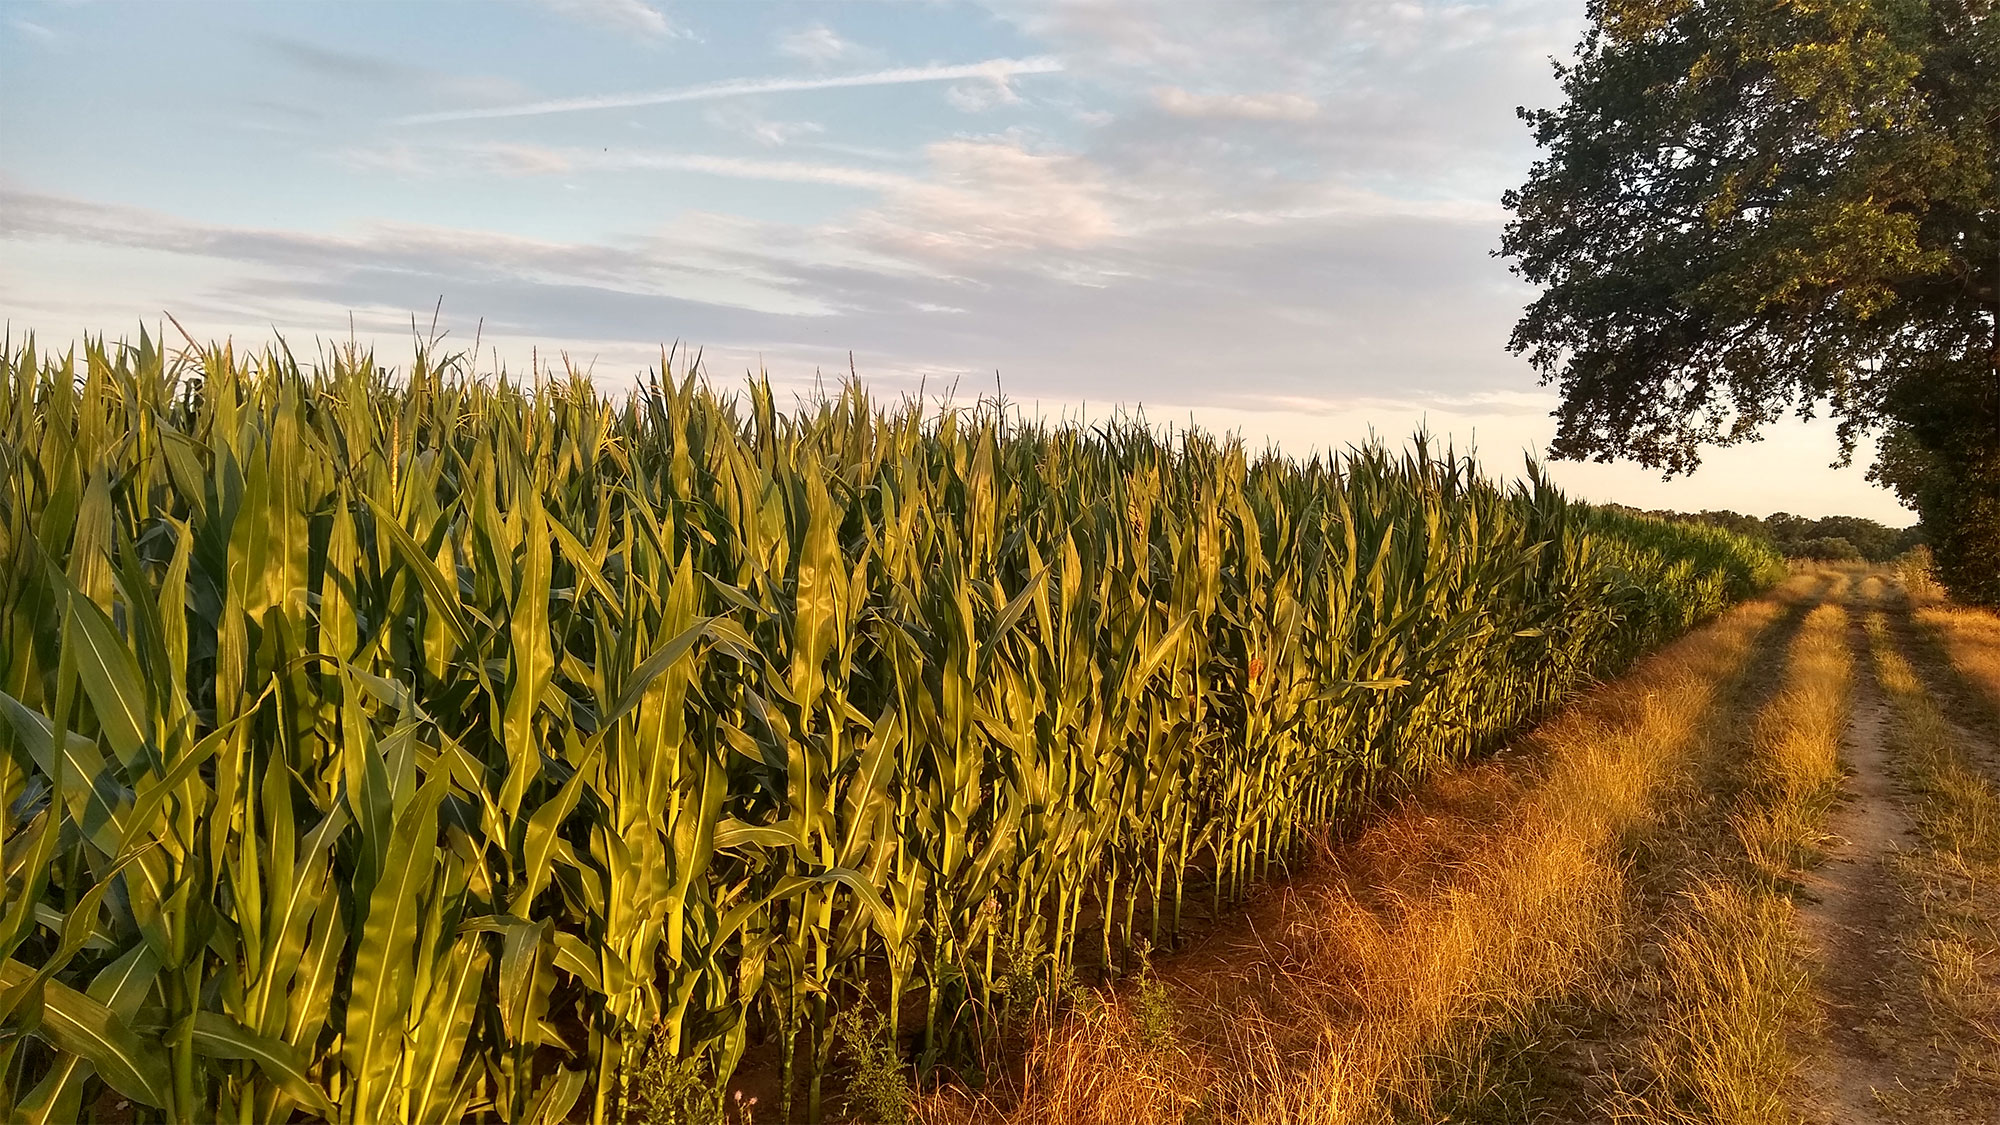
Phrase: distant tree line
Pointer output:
(1831, 539)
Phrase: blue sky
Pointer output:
(1270, 217)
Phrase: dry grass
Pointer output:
(1732, 974)
(1399, 1001)
(1376, 993)
(1734, 990)
(1948, 881)
(1794, 768)
(1971, 637)
(1918, 578)
(1958, 808)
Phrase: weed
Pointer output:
(1154, 1015)
(664, 1090)
(877, 1091)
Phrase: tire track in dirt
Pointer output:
(1850, 908)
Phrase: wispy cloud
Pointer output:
(628, 16)
(346, 66)
(993, 70)
(977, 97)
(817, 44)
(1238, 107)
(741, 119)
(530, 160)
(421, 161)
(783, 171)
(33, 30)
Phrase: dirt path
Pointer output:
(1849, 916)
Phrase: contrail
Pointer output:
(995, 69)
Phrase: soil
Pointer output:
(1849, 915)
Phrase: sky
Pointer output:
(1271, 218)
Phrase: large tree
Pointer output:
(1748, 208)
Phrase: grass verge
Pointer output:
(1947, 882)
(1970, 638)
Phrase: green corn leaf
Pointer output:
(558, 1094)
(736, 834)
(653, 667)
(58, 1098)
(122, 985)
(379, 996)
(73, 1022)
(540, 838)
(219, 1037)
(110, 675)
(440, 597)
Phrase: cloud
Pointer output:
(397, 158)
(1241, 107)
(816, 44)
(783, 171)
(353, 68)
(33, 30)
(991, 69)
(740, 119)
(1116, 33)
(776, 133)
(978, 97)
(632, 17)
(975, 196)
(1290, 112)
(526, 160)
(987, 196)
(413, 257)
(474, 88)
(331, 62)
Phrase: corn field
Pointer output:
(409, 746)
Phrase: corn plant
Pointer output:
(410, 746)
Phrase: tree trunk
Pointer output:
(1995, 310)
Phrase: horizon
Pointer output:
(937, 401)
(1273, 220)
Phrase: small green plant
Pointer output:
(1153, 1010)
(1021, 978)
(877, 1092)
(1030, 977)
(664, 1090)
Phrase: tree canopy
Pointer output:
(1749, 208)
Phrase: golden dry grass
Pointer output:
(1947, 881)
(1971, 637)
(1794, 768)
(1734, 990)
(1732, 975)
(1374, 993)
